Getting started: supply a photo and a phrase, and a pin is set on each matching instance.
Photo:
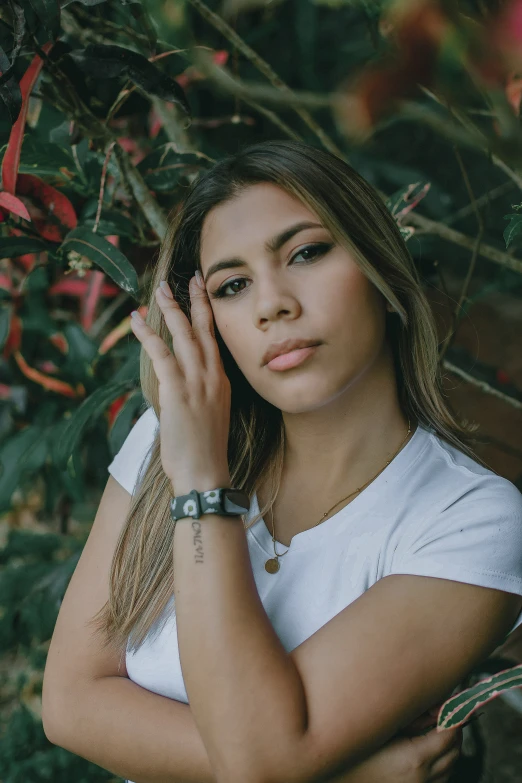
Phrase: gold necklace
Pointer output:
(272, 565)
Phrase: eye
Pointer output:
(316, 250)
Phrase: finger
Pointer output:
(164, 362)
(444, 766)
(203, 324)
(435, 744)
(185, 344)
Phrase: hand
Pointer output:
(426, 758)
(194, 392)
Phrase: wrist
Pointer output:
(184, 484)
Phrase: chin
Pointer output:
(302, 396)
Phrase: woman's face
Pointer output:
(306, 287)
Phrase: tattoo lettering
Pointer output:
(198, 541)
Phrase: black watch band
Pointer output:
(227, 501)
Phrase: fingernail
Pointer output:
(137, 316)
(166, 289)
(199, 279)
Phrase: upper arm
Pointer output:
(401, 647)
(75, 654)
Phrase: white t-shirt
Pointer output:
(433, 511)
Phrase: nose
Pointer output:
(275, 299)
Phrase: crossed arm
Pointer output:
(111, 721)
(139, 735)
(132, 732)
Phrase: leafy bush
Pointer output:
(104, 122)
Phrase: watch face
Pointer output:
(235, 501)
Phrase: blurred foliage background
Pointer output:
(108, 110)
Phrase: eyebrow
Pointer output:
(271, 246)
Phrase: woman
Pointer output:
(382, 559)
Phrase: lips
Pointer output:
(285, 346)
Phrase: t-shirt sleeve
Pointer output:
(132, 459)
(476, 539)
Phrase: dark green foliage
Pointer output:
(119, 122)
(27, 756)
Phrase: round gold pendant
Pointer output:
(272, 565)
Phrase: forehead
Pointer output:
(248, 220)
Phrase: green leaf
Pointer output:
(46, 159)
(10, 94)
(81, 352)
(130, 369)
(92, 408)
(26, 451)
(106, 61)
(104, 254)
(513, 229)
(460, 707)
(404, 200)
(164, 166)
(48, 12)
(6, 312)
(123, 421)
(111, 221)
(10, 247)
(65, 3)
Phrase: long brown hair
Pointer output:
(141, 577)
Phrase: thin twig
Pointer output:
(482, 385)
(102, 186)
(147, 203)
(263, 67)
(499, 257)
(450, 337)
(481, 138)
(481, 201)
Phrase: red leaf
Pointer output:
(91, 298)
(514, 92)
(14, 205)
(11, 161)
(115, 407)
(77, 287)
(48, 367)
(52, 212)
(220, 57)
(5, 282)
(28, 260)
(51, 384)
(418, 29)
(5, 392)
(14, 338)
(122, 330)
(59, 342)
(191, 74)
(508, 27)
(155, 123)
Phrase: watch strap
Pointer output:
(227, 501)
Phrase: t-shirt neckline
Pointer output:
(362, 502)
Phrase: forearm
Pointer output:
(245, 691)
(134, 733)
(147, 738)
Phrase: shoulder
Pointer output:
(464, 523)
(132, 459)
(450, 482)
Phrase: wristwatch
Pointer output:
(227, 501)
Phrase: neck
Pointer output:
(342, 445)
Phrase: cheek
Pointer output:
(345, 295)
(230, 335)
